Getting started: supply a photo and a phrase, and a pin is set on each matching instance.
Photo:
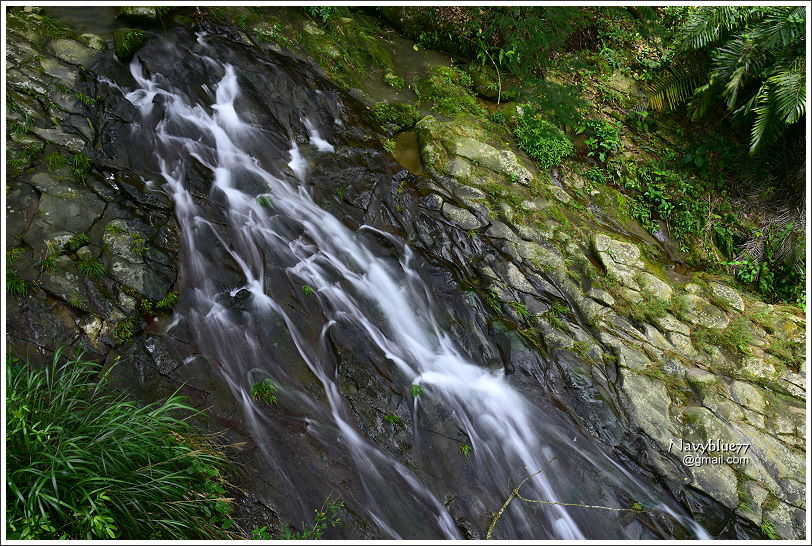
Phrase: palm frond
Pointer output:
(675, 85)
(767, 125)
(783, 25)
(790, 93)
(709, 24)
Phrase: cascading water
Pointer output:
(251, 230)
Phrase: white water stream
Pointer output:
(387, 301)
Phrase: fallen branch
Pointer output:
(516, 494)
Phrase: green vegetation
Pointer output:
(416, 390)
(603, 138)
(265, 201)
(749, 58)
(167, 302)
(85, 463)
(769, 529)
(542, 140)
(325, 517)
(91, 267)
(447, 90)
(77, 241)
(307, 290)
(736, 337)
(80, 165)
(123, 332)
(392, 419)
(265, 391)
(126, 41)
(554, 314)
(389, 145)
(400, 114)
(466, 449)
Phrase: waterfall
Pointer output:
(257, 218)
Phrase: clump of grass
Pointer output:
(554, 314)
(91, 267)
(789, 352)
(85, 463)
(55, 161)
(736, 337)
(416, 390)
(466, 449)
(265, 391)
(520, 308)
(766, 318)
(307, 290)
(15, 285)
(80, 166)
(392, 419)
(649, 310)
(77, 241)
(680, 305)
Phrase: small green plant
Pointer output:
(123, 332)
(91, 267)
(325, 517)
(554, 314)
(389, 145)
(84, 462)
(114, 229)
(80, 166)
(416, 390)
(128, 41)
(322, 13)
(51, 258)
(167, 302)
(603, 138)
(265, 391)
(769, 529)
(649, 310)
(140, 245)
(395, 81)
(735, 337)
(15, 285)
(265, 201)
(54, 161)
(392, 419)
(466, 449)
(542, 140)
(307, 290)
(520, 308)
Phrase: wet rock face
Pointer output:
(513, 269)
(660, 368)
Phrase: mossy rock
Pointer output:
(400, 114)
(447, 91)
(126, 41)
